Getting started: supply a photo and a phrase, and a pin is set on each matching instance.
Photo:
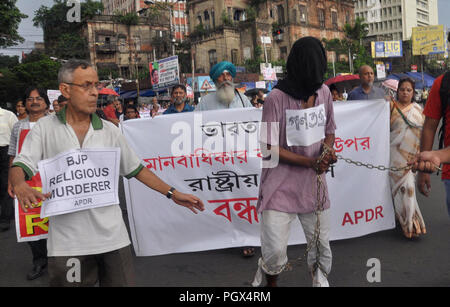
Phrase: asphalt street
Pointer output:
(403, 262)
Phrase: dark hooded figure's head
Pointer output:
(306, 67)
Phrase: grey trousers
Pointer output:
(112, 269)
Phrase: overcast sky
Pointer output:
(33, 34)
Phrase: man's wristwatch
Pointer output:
(170, 193)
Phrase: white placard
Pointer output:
(260, 84)
(305, 127)
(80, 180)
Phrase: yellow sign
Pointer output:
(387, 49)
(426, 40)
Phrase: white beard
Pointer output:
(225, 93)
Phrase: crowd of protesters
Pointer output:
(280, 200)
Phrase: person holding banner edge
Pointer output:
(289, 190)
(96, 237)
(36, 104)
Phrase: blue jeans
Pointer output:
(447, 192)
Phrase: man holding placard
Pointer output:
(80, 158)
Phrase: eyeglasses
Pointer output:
(38, 99)
(88, 86)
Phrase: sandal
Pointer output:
(248, 252)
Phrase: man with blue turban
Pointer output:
(226, 95)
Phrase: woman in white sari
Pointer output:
(406, 127)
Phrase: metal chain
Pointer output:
(379, 167)
(316, 237)
(320, 202)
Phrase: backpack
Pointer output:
(444, 92)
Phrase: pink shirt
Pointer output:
(288, 188)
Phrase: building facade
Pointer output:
(231, 30)
(176, 11)
(394, 19)
(126, 49)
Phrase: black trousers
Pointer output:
(39, 251)
(6, 202)
(111, 269)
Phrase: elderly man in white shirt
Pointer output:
(226, 95)
(7, 121)
(96, 237)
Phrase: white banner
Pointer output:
(80, 180)
(218, 159)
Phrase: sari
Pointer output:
(405, 131)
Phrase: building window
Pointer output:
(294, 16)
(137, 43)
(280, 13)
(303, 15)
(283, 53)
(234, 56)
(238, 15)
(334, 19)
(321, 18)
(212, 57)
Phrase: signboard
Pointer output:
(266, 40)
(30, 226)
(164, 73)
(413, 68)
(202, 84)
(80, 180)
(52, 96)
(381, 71)
(269, 74)
(428, 40)
(260, 84)
(263, 66)
(387, 49)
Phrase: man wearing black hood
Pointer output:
(290, 189)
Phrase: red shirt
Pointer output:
(433, 110)
(110, 112)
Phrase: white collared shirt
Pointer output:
(91, 231)
(7, 121)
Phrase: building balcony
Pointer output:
(104, 47)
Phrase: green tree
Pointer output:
(37, 69)
(7, 61)
(10, 18)
(355, 34)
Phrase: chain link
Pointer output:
(379, 167)
(321, 199)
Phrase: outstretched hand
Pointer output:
(189, 201)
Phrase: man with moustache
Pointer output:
(179, 101)
(36, 104)
(96, 237)
(226, 95)
(366, 91)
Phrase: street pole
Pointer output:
(334, 68)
